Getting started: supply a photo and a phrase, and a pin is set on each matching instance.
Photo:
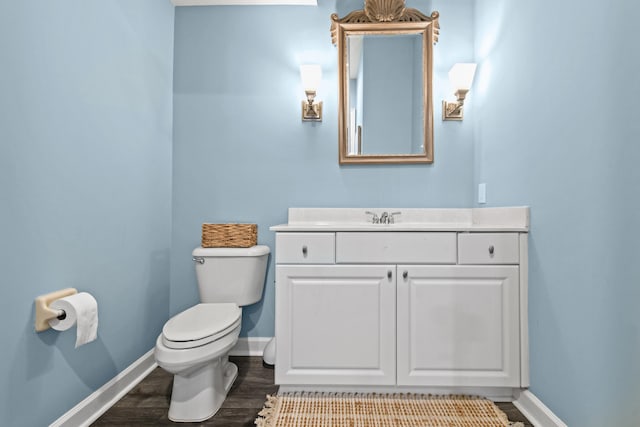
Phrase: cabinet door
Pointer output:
(335, 324)
(458, 326)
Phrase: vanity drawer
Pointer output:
(305, 248)
(488, 248)
(396, 247)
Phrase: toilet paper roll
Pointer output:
(82, 310)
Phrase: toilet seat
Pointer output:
(200, 325)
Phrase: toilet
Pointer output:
(194, 345)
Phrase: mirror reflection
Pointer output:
(385, 94)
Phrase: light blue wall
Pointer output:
(241, 152)
(85, 191)
(557, 128)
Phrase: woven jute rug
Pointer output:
(379, 410)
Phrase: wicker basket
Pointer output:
(229, 235)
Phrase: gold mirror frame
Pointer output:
(385, 17)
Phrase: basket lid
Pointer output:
(257, 250)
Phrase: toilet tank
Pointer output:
(231, 274)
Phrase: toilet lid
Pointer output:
(201, 321)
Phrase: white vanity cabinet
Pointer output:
(336, 324)
(403, 306)
(458, 326)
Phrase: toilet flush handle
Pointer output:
(198, 259)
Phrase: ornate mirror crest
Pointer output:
(377, 11)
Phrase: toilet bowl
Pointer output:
(194, 346)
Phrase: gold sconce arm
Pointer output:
(311, 110)
(454, 110)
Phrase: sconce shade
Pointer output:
(461, 76)
(311, 76)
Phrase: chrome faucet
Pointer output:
(385, 217)
(374, 218)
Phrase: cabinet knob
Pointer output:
(304, 250)
(405, 274)
(491, 250)
(389, 274)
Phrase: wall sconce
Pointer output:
(311, 76)
(461, 78)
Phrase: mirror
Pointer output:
(385, 73)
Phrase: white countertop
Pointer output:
(413, 219)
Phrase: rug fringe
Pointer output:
(265, 416)
(399, 395)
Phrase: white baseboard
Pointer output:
(250, 346)
(97, 403)
(536, 411)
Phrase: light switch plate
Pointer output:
(482, 193)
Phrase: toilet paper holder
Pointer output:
(44, 313)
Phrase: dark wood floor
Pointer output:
(147, 403)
